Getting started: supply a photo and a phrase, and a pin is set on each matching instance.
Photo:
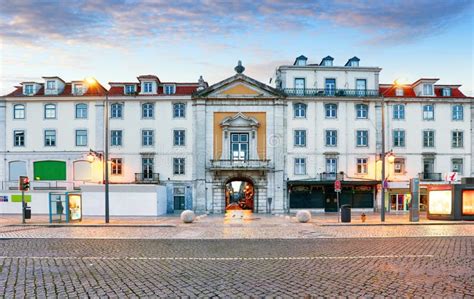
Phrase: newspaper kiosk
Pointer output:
(65, 207)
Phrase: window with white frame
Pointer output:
(51, 84)
(457, 165)
(148, 110)
(81, 110)
(170, 89)
(428, 138)
(428, 112)
(399, 111)
(29, 89)
(81, 137)
(331, 165)
(19, 138)
(399, 166)
(147, 137)
(331, 138)
(446, 92)
(148, 87)
(179, 166)
(19, 111)
(117, 165)
(116, 110)
(50, 111)
(50, 138)
(398, 138)
(300, 86)
(129, 89)
(362, 165)
(179, 137)
(399, 92)
(299, 110)
(300, 166)
(428, 89)
(116, 137)
(78, 89)
(179, 110)
(331, 110)
(458, 112)
(457, 140)
(362, 111)
(300, 138)
(362, 138)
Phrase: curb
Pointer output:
(395, 224)
(90, 225)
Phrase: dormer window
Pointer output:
(446, 92)
(78, 89)
(170, 89)
(50, 84)
(129, 89)
(29, 89)
(300, 60)
(399, 92)
(148, 87)
(427, 89)
(354, 63)
(327, 63)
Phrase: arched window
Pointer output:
(147, 110)
(362, 111)
(16, 169)
(179, 110)
(81, 110)
(19, 111)
(50, 111)
(116, 110)
(300, 110)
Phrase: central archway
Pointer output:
(239, 194)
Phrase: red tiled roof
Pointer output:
(97, 90)
(388, 90)
(181, 89)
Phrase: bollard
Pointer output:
(188, 216)
(303, 216)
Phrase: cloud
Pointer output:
(121, 22)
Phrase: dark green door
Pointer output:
(331, 202)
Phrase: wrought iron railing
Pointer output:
(331, 176)
(317, 92)
(147, 178)
(245, 164)
(430, 176)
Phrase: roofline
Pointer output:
(337, 68)
(51, 77)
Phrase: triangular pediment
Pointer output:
(239, 120)
(240, 89)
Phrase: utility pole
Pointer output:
(382, 212)
(106, 157)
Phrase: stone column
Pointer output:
(199, 161)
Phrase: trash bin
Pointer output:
(27, 212)
(345, 213)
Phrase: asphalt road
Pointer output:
(439, 266)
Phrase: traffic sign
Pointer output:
(451, 176)
(337, 186)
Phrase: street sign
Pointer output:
(451, 176)
(337, 186)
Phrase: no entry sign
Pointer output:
(337, 186)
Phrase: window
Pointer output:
(19, 138)
(147, 110)
(300, 86)
(300, 138)
(362, 138)
(446, 92)
(147, 168)
(116, 168)
(78, 90)
(147, 137)
(399, 166)
(116, 137)
(354, 63)
(330, 86)
(428, 167)
(81, 137)
(179, 137)
(457, 140)
(300, 166)
(81, 110)
(178, 165)
(327, 62)
(148, 87)
(427, 89)
(179, 110)
(362, 167)
(428, 138)
(179, 198)
(301, 62)
(129, 89)
(170, 89)
(29, 89)
(331, 110)
(331, 165)
(299, 110)
(458, 112)
(50, 84)
(116, 110)
(399, 111)
(428, 112)
(362, 111)
(49, 138)
(399, 92)
(19, 111)
(49, 111)
(361, 87)
(457, 165)
(239, 146)
(331, 138)
(399, 138)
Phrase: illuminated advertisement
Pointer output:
(468, 202)
(440, 202)
(75, 207)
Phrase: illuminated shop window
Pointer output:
(468, 202)
(440, 202)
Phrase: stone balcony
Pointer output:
(239, 165)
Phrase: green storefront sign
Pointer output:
(49, 170)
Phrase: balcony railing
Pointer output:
(430, 176)
(316, 92)
(240, 164)
(147, 178)
(331, 176)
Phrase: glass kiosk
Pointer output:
(65, 207)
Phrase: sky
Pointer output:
(118, 40)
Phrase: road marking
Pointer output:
(220, 258)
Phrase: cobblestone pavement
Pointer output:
(397, 267)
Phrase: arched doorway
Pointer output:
(239, 194)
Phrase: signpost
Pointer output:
(415, 200)
(337, 188)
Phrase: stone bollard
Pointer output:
(303, 216)
(188, 216)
